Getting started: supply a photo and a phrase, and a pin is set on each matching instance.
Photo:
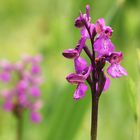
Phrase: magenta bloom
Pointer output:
(80, 91)
(79, 78)
(102, 51)
(79, 21)
(103, 44)
(25, 90)
(115, 70)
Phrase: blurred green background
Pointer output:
(47, 27)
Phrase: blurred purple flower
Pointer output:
(36, 117)
(5, 76)
(34, 91)
(25, 91)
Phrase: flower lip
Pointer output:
(116, 71)
(71, 53)
(80, 91)
(100, 25)
(74, 78)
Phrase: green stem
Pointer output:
(19, 127)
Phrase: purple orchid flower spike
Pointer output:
(100, 34)
(102, 51)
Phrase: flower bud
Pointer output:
(71, 53)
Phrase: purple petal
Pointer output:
(74, 78)
(36, 117)
(37, 59)
(5, 76)
(102, 29)
(100, 24)
(81, 44)
(107, 84)
(35, 91)
(80, 91)
(88, 72)
(22, 85)
(34, 59)
(84, 33)
(116, 71)
(19, 66)
(5, 65)
(92, 28)
(80, 64)
(71, 53)
(88, 11)
(108, 31)
(35, 69)
(103, 45)
(38, 80)
(78, 22)
(22, 97)
(37, 105)
(6, 94)
(8, 105)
